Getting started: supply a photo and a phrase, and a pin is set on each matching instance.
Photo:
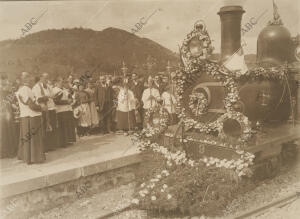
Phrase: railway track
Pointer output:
(115, 213)
(265, 208)
(279, 203)
(249, 214)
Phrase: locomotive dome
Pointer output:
(274, 44)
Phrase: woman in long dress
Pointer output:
(69, 118)
(94, 113)
(44, 95)
(85, 119)
(66, 128)
(125, 109)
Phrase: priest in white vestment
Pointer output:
(126, 109)
(150, 95)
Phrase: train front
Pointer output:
(225, 107)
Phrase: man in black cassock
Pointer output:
(104, 104)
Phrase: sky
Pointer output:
(169, 24)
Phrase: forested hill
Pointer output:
(77, 50)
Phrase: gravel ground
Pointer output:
(93, 206)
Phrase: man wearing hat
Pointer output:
(137, 88)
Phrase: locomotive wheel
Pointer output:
(289, 152)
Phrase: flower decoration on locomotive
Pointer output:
(156, 120)
(198, 103)
(197, 46)
(195, 51)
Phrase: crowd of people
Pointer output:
(40, 115)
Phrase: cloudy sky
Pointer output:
(171, 20)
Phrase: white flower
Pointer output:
(142, 194)
(135, 201)
(164, 172)
(169, 196)
(162, 190)
(165, 186)
(169, 164)
(153, 198)
(158, 176)
(191, 163)
(143, 185)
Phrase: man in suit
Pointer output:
(104, 104)
(137, 88)
(157, 84)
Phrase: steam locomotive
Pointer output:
(223, 111)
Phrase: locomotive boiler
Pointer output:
(222, 110)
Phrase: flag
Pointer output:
(276, 17)
(275, 11)
(237, 62)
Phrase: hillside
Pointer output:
(77, 50)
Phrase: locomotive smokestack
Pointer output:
(231, 17)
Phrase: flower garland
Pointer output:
(239, 166)
(230, 83)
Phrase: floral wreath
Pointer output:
(198, 103)
(199, 33)
(241, 119)
(157, 125)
